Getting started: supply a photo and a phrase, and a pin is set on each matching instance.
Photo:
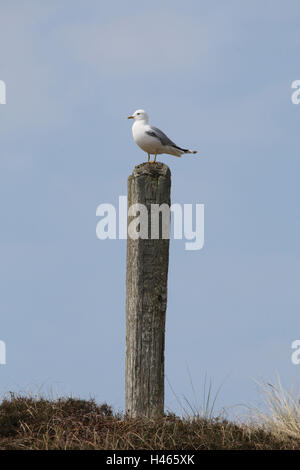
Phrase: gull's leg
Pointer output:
(155, 157)
(148, 157)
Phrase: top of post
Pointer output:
(151, 169)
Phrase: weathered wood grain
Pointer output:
(146, 297)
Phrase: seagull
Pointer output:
(151, 139)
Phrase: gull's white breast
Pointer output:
(147, 143)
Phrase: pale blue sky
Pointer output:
(215, 76)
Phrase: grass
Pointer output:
(282, 416)
(33, 423)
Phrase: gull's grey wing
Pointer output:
(163, 138)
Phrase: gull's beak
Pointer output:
(130, 117)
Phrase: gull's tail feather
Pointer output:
(177, 151)
(187, 150)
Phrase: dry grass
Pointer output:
(282, 415)
(39, 423)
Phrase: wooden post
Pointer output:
(146, 297)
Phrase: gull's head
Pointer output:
(139, 115)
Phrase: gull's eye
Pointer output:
(138, 114)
